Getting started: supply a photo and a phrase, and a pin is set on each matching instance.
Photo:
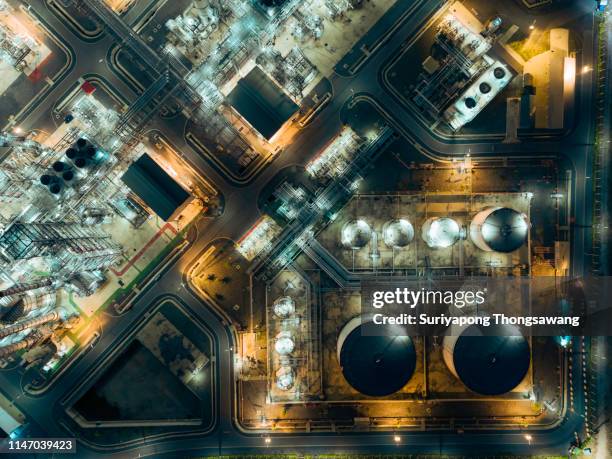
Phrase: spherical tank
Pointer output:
(284, 343)
(356, 234)
(284, 378)
(440, 232)
(284, 307)
(398, 233)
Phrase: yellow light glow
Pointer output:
(569, 73)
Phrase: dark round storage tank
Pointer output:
(68, 176)
(55, 188)
(81, 163)
(488, 360)
(59, 166)
(499, 73)
(90, 151)
(46, 179)
(81, 143)
(375, 365)
(72, 153)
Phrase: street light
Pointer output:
(528, 438)
(397, 438)
(267, 440)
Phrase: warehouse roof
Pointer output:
(262, 103)
(155, 187)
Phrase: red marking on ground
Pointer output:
(37, 73)
(136, 257)
(251, 229)
(88, 88)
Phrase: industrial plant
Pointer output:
(289, 228)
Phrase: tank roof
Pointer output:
(377, 365)
(398, 233)
(505, 230)
(441, 232)
(356, 234)
(491, 364)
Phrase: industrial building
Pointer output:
(57, 192)
(459, 78)
(20, 52)
(60, 247)
(262, 103)
(552, 74)
(155, 188)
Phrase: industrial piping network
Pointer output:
(21, 288)
(29, 323)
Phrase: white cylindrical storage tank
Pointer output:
(440, 232)
(284, 307)
(487, 360)
(356, 234)
(398, 233)
(285, 378)
(499, 229)
(284, 343)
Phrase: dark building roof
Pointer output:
(262, 103)
(505, 230)
(155, 187)
(377, 365)
(489, 364)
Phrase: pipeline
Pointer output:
(20, 288)
(29, 323)
(13, 308)
(26, 342)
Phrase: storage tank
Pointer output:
(55, 188)
(284, 307)
(499, 229)
(72, 153)
(440, 232)
(81, 162)
(355, 234)
(398, 233)
(487, 360)
(47, 179)
(81, 143)
(284, 344)
(284, 378)
(375, 365)
(60, 166)
(68, 177)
